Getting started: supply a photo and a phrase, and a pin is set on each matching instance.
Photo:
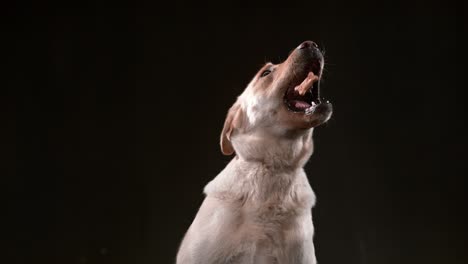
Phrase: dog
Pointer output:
(257, 210)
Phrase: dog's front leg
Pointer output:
(299, 242)
(212, 237)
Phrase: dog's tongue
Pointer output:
(300, 104)
(307, 83)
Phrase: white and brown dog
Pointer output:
(258, 209)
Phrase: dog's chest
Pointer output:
(266, 228)
(272, 215)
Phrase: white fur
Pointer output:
(262, 217)
(258, 209)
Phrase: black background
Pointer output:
(112, 116)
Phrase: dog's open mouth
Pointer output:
(305, 96)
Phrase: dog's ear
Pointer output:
(234, 120)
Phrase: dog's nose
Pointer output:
(308, 45)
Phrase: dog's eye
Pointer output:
(265, 73)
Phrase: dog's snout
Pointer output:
(308, 45)
(307, 52)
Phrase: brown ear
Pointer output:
(233, 120)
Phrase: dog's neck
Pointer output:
(263, 167)
(279, 151)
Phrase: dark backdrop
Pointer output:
(112, 116)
